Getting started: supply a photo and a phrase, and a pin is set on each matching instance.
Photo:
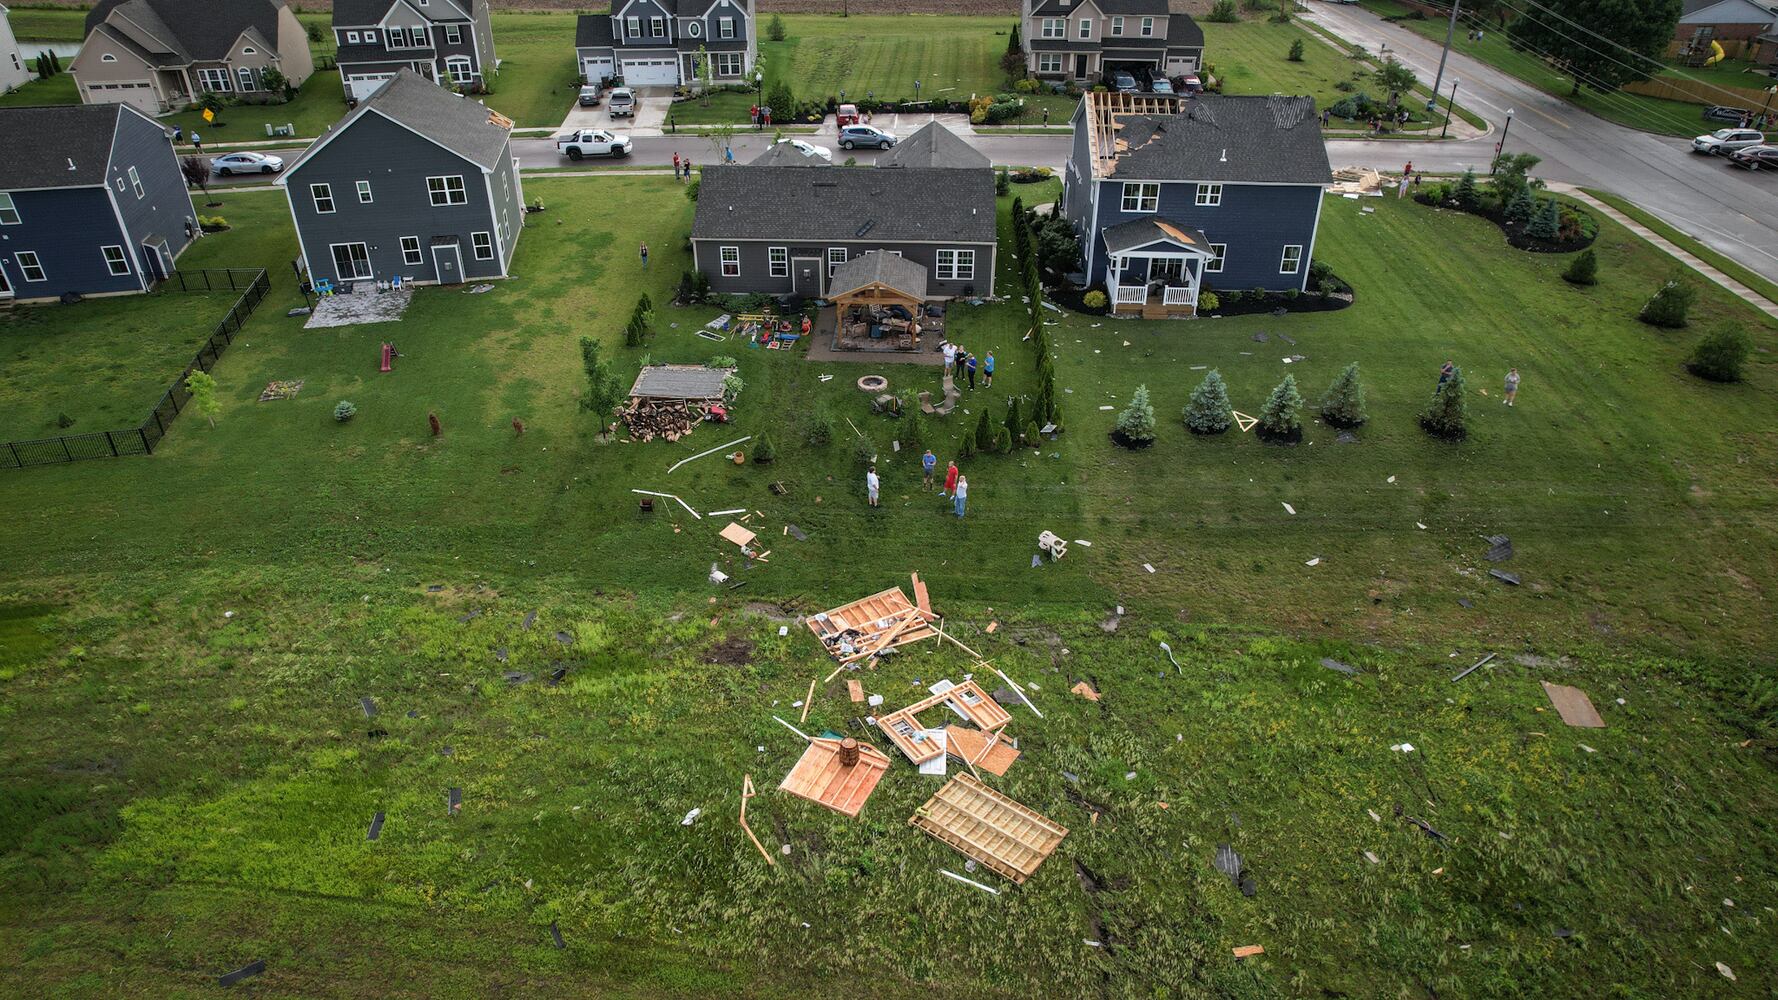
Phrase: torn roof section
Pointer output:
(1252, 140)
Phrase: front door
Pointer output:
(447, 260)
(806, 280)
(1167, 271)
(5, 284)
(1080, 67)
(154, 257)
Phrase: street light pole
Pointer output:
(1449, 106)
(1450, 33)
(1499, 147)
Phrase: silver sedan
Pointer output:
(246, 163)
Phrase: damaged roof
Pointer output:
(1256, 140)
(750, 202)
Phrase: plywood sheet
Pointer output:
(820, 777)
(1574, 706)
(1009, 838)
(967, 745)
(1086, 691)
(903, 727)
(737, 534)
(855, 689)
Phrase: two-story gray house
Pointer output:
(785, 230)
(417, 182)
(438, 39)
(659, 43)
(160, 55)
(1170, 197)
(92, 202)
(1082, 40)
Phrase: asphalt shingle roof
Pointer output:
(456, 123)
(1142, 232)
(845, 203)
(899, 273)
(593, 31)
(933, 145)
(199, 29)
(1184, 32)
(679, 382)
(350, 13)
(783, 154)
(1217, 138)
(37, 145)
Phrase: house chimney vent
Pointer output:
(1225, 154)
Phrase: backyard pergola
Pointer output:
(864, 286)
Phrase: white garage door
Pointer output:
(1181, 65)
(596, 70)
(137, 95)
(651, 72)
(362, 85)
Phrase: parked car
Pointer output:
(1188, 84)
(593, 142)
(810, 149)
(1755, 157)
(1122, 81)
(847, 114)
(589, 96)
(1724, 141)
(1725, 113)
(1161, 86)
(853, 136)
(622, 103)
(247, 163)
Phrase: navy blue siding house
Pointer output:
(1171, 198)
(92, 202)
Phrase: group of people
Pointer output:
(681, 175)
(963, 366)
(1408, 177)
(956, 485)
(1511, 386)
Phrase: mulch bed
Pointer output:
(1118, 439)
(1279, 304)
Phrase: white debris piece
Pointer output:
(1403, 748)
(691, 817)
(1288, 508)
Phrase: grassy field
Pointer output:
(188, 789)
(1732, 268)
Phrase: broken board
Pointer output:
(967, 745)
(1573, 705)
(873, 624)
(1009, 838)
(904, 729)
(1086, 691)
(739, 535)
(821, 778)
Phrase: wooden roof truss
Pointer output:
(1103, 112)
(1006, 836)
(876, 623)
(822, 776)
(904, 729)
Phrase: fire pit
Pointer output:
(873, 383)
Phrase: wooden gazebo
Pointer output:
(865, 285)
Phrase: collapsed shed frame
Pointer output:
(1008, 837)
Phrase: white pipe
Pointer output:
(712, 451)
(793, 729)
(675, 499)
(1016, 690)
(970, 881)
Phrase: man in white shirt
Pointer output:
(870, 485)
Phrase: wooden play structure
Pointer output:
(980, 823)
(904, 729)
(839, 774)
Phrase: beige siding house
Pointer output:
(160, 55)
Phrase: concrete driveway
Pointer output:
(651, 114)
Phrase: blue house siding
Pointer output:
(66, 228)
(509, 209)
(1255, 221)
(164, 212)
(755, 264)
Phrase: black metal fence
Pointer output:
(253, 284)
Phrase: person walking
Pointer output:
(988, 371)
(971, 365)
(1401, 190)
(1512, 387)
(950, 479)
(871, 483)
(928, 462)
(1444, 374)
(675, 164)
(688, 168)
(197, 141)
(961, 497)
(644, 256)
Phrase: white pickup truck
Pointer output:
(592, 142)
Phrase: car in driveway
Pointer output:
(1755, 157)
(622, 103)
(1724, 141)
(1123, 81)
(853, 136)
(811, 150)
(246, 163)
(593, 142)
(589, 96)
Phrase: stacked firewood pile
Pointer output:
(670, 419)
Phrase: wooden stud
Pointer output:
(747, 792)
(808, 700)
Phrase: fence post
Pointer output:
(147, 449)
(16, 460)
(207, 286)
(112, 443)
(158, 422)
(65, 452)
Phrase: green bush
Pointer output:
(1296, 51)
(1208, 302)
(1465, 193)
(344, 410)
(722, 361)
(1135, 426)
(1721, 355)
(1208, 410)
(1584, 270)
(1343, 406)
(1094, 299)
(820, 431)
(1033, 433)
(984, 432)
(1026, 86)
(1002, 440)
(1281, 418)
(864, 450)
(1224, 12)
(1547, 223)
(731, 388)
(765, 449)
(1447, 416)
(775, 28)
(1002, 182)
(913, 430)
(1520, 206)
(1669, 305)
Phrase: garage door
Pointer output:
(137, 95)
(651, 72)
(1181, 65)
(361, 85)
(596, 70)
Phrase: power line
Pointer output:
(1659, 65)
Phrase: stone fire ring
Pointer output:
(873, 383)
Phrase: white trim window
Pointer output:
(657, 27)
(9, 212)
(364, 197)
(136, 184)
(248, 82)
(956, 265)
(1147, 27)
(1208, 195)
(447, 190)
(633, 27)
(1086, 28)
(323, 196)
(484, 245)
(460, 67)
(730, 259)
(1054, 27)
(351, 38)
(1292, 261)
(725, 27)
(454, 34)
(214, 81)
(778, 259)
(248, 50)
(1117, 25)
(835, 257)
(351, 261)
(1141, 196)
(1219, 253)
(108, 58)
(693, 29)
(728, 64)
(1049, 62)
(410, 251)
(30, 267)
(116, 261)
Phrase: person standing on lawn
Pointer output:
(988, 371)
(1444, 374)
(928, 462)
(971, 365)
(1512, 387)
(675, 164)
(644, 256)
(950, 479)
(950, 355)
(871, 484)
(962, 495)
(962, 362)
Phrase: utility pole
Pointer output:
(1500, 147)
(1450, 33)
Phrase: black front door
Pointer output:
(1080, 67)
(807, 280)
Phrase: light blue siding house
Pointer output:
(1172, 197)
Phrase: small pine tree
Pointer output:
(1547, 223)
(1466, 191)
(1135, 426)
(765, 449)
(1721, 355)
(1208, 411)
(1669, 305)
(1584, 270)
(1281, 418)
(775, 28)
(1002, 440)
(984, 432)
(1012, 41)
(1015, 420)
(913, 430)
(1343, 406)
(966, 448)
(1520, 206)
(1447, 416)
(1033, 433)
(1296, 51)
(202, 387)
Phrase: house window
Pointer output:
(835, 257)
(352, 37)
(694, 29)
(731, 262)
(1147, 26)
(1055, 27)
(1209, 195)
(725, 27)
(728, 64)
(351, 261)
(213, 80)
(364, 192)
(657, 27)
(248, 50)
(1117, 25)
(29, 266)
(484, 245)
(1293, 260)
(107, 57)
(1142, 197)
(1049, 62)
(1218, 253)
(248, 84)
(779, 258)
(410, 250)
(136, 183)
(1086, 27)
(459, 67)
(633, 27)
(323, 195)
(447, 190)
(956, 265)
(115, 261)
(453, 34)
(9, 213)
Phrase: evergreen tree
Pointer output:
(1720, 356)
(765, 449)
(1520, 205)
(1343, 406)
(1208, 411)
(1669, 305)
(1033, 433)
(913, 430)
(1012, 41)
(1584, 270)
(1002, 440)
(1547, 223)
(1015, 420)
(984, 432)
(1281, 418)
(1447, 416)
(775, 28)
(966, 448)
(1466, 191)
(1135, 426)
(1296, 51)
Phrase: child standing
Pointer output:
(1512, 386)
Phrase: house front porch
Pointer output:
(1155, 269)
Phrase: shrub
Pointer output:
(1520, 206)
(1465, 194)
(1027, 85)
(1343, 406)
(966, 448)
(1281, 16)
(1015, 420)
(1002, 440)
(1296, 51)
(775, 28)
(1208, 410)
(984, 432)
(691, 190)
(1721, 355)
(1447, 416)
(1669, 305)
(1224, 12)
(1547, 223)
(1281, 418)
(820, 431)
(64, 421)
(1094, 300)
(731, 388)
(1002, 182)
(1135, 426)
(722, 361)
(864, 450)
(1208, 302)
(764, 449)
(1033, 433)
(913, 430)
(344, 410)
(1584, 270)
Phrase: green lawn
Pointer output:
(1732, 268)
(55, 90)
(1728, 73)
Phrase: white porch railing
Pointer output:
(1178, 295)
(1128, 294)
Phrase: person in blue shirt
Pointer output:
(928, 463)
(972, 366)
(988, 371)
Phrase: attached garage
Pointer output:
(361, 85)
(651, 72)
(597, 70)
(1181, 65)
(137, 94)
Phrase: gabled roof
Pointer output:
(1731, 12)
(593, 31)
(878, 268)
(463, 126)
(916, 204)
(195, 29)
(1183, 32)
(1055, 8)
(347, 13)
(933, 145)
(1142, 232)
(52, 147)
(783, 154)
(1256, 140)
